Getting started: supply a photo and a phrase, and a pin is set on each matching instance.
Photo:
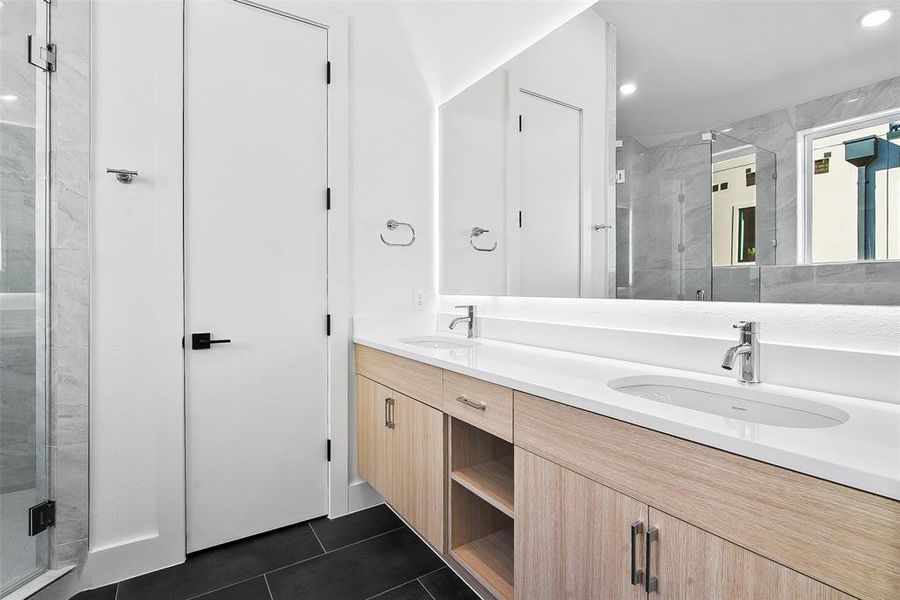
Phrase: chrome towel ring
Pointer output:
(393, 225)
(477, 231)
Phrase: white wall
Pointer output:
(477, 135)
(136, 386)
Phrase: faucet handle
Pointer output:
(747, 326)
(468, 307)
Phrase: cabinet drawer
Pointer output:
(809, 525)
(414, 379)
(485, 405)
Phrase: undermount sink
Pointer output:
(742, 403)
(438, 342)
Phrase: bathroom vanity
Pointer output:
(502, 460)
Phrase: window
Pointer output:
(851, 186)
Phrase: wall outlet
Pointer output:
(418, 298)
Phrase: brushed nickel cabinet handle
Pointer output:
(391, 422)
(637, 575)
(476, 405)
(387, 416)
(650, 583)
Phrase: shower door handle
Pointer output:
(202, 341)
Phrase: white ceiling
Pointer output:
(457, 42)
(704, 64)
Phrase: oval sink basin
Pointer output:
(744, 404)
(438, 342)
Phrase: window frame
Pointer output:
(805, 139)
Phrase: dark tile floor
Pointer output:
(368, 554)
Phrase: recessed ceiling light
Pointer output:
(627, 89)
(9, 97)
(876, 17)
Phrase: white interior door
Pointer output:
(255, 268)
(549, 229)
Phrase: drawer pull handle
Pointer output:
(475, 405)
(637, 575)
(650, 583)
(391, 422)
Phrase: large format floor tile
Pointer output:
(224, 565)
(355, 527)
(367, 555)
(252, 589)
(409, 591)
(107, 592)
(358, 571)
(446, 585)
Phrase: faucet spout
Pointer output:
(747, 352)
(733, 353)
(468, 319)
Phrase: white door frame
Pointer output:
(339, 306)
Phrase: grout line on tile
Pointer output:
(219, 589)
(266, 579)
(424, 587)
(379, 594)
(313, 529)
(335, 550)
(402, 526)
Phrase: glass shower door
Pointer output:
(23, 291)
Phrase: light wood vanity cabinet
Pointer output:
(537, 500)
(401, 454)
(572, 534)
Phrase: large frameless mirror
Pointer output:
(688, 151)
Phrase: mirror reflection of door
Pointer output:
(734, 211)
(550, 198)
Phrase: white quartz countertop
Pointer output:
(863, 453)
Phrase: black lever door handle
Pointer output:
(202, 341)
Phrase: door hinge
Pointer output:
(328, 450)
(327, 324)
(42, 56)
(520, 123)
(327, 198)
(328, 73)
(41, 516)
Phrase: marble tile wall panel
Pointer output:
(70, 259)
(845, 283)
(736, 284)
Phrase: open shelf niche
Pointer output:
(481, 506)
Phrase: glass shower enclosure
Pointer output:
(24, 95)
(695, 218)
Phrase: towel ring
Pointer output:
(477, 231)
(392, 225)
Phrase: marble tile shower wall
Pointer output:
(18, 417)
(70, 264)
(667, 191)
(655, 276)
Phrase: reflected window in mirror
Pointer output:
(734, 208)
(852, 175)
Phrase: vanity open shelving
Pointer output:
(481, 511)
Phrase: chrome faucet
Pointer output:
(748, 352)
(470, 319)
